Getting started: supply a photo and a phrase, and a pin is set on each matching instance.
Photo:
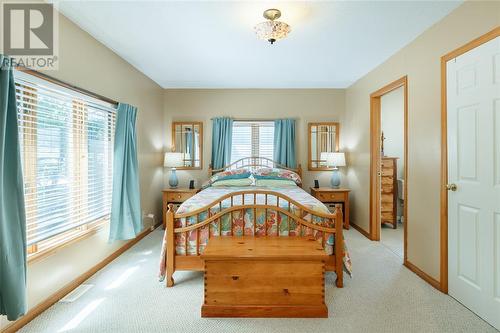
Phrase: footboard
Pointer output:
(187, 234)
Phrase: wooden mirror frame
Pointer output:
(194, 123)
(309, 142)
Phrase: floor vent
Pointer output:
(76, 294)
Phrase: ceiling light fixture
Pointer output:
(272, 30)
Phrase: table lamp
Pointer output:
(173, 160)
(335, 160)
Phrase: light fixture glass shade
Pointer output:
(272, 30)
(172, 160)
(334, 159)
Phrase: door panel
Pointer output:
(473, 120)
(496, 143)
(467, 143)
(496, 264)
(468, 256)
(466, 78)
(496, 68)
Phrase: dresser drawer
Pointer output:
(387, 217)
(387, 172)
(387, 163)
(388, 199)
(178, 197)
(330, 196)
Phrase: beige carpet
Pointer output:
(393, 239)
(383, 296)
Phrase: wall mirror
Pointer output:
(323, 138)
(187, 138)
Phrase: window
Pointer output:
(67, 155)
(252, 139)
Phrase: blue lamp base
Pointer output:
(335, 181)
(173, 181)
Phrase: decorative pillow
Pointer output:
(275, 182)
(234, 182)
(275, 173)
(229, 174)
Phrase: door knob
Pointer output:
(451, 187)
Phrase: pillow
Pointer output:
(233, 182)
(229, 174)
(275, 182)
(275, 173)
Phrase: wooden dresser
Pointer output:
(389, 191)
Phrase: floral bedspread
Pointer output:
(266, 223)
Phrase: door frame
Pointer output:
(444, 149)
(375, 132)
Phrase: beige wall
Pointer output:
(392, 124)
(305, 105)
(420, 60)
(86, 63)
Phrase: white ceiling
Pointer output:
(211, 44)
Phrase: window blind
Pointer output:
(67, 155)
(252, 139)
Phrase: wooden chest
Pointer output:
(389, 189)
(264, 277)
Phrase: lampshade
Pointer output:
(172, 160)
(323, 156)
(334, 159)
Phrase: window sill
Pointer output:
(68, 238)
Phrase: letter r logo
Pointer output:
(28, 29)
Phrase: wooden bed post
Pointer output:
(299, 170)
(339, 246)
(210, 170)
(170, 246)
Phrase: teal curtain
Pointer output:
(126, 220)
(222, 137)
(12, 215)
(284, 142)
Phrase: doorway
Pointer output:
(388, 166)
(392, 171)
(470, 197)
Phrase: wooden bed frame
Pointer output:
(189, 262)
(254, 163)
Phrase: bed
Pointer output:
(270, 204)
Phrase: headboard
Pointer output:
(254, 163)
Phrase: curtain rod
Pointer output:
(65, 84)
(256, 119)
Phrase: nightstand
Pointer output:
(330, 195)
(175, 196)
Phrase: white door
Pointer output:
(473, 99)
